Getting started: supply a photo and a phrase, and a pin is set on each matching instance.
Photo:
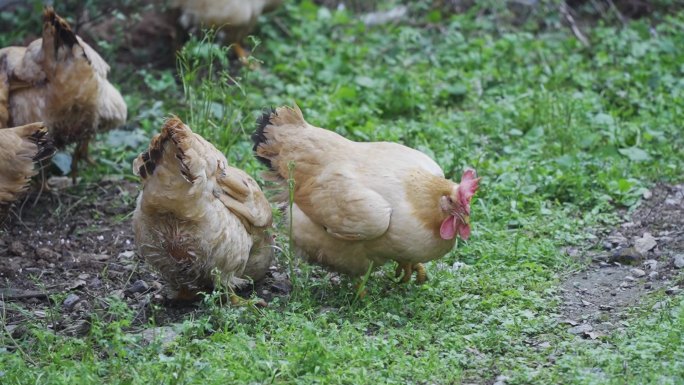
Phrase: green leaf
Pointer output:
(635, 154)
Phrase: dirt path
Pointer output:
(638, 258)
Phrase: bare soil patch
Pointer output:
(63, 260)
(638, 258)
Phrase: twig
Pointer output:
(3, 319)
(565, 11)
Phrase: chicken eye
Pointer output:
(450, 200)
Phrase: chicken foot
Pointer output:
(407, 269)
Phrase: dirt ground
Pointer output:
(62, 260)
(636, 259)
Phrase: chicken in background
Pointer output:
(196, 215)
(61, 81)
(358, 205)
(234, 18)
(20, 149)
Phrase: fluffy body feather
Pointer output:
(20, 149)
(195, 213)
(357, 203)
(62, 81)
(235, 18)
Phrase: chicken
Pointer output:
(61, 81)
(358, 205)
(20, 148)
(196, 214)
(234, 18)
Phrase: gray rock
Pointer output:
(165, 335)
(501, 380)
(16, 248)
(645, 244)
(70, 301)
(138, 286)
(647, 194)
(652, 264)
(580, 329)
(637, 273)
(678, 261)
(673, 290)
(653, 275)
(627, 256)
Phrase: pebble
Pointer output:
(16, 248)
(580, 329)
(653, 275)
(647, 194)
(645, 243)
(678, 261)
(637, 273)
(627, 255)
(70, 301)
(138, 286)
(652, 264)
(630, 278)
(648, 285)
(673, 290)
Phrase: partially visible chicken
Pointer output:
(196, 214)
(20, 148)
(362, 203)
(62, 81)
(234, 18)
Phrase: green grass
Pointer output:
(561, 134)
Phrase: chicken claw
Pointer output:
(407, 269)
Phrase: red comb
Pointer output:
(467, 187)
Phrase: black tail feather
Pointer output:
(259, 137)
(46, 148)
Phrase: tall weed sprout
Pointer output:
(214, 98)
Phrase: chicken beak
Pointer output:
(466, 220)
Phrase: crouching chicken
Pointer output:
(199, 221)
(20, 149)
(358, 205)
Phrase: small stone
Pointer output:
(613, 293)
(659, 305)
(645, 244)
(500, 380)
(673, 290)
(627, 255)
(604, 264)
(678, 261)
(630, 278)
(580, 329)
(653, 275)
(165, 335)
(652, 264)
(16, 248)
(648, 285)
(647, 194)
(601, 257)
(138, 286)
(46, 254)
(637, 273)
(605, 307)
(78, 328)
(70, 301)
(281, 287)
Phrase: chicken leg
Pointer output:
(80, 152)
(408, 269)
(240, 52)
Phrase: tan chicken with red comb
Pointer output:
(357, 204)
